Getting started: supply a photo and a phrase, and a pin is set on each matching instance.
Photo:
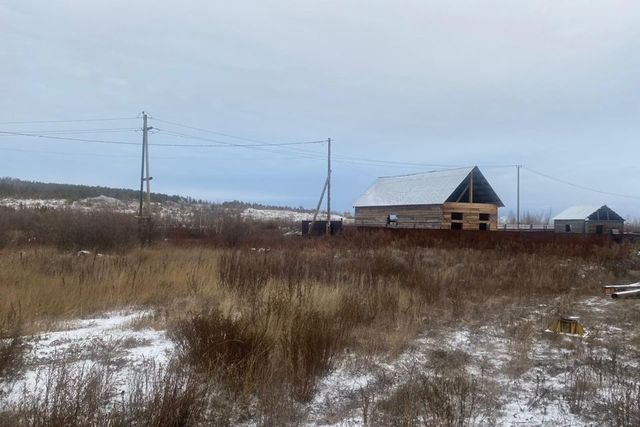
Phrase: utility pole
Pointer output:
(146, 159)
(329, 186)
(518, 206)
(326, 188)
(144, 212)
(144, 150)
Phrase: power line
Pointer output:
(260, 145)
(74, 131)
(301, 153)
(67, 153)
(69, 121)
(61, 138)
(229, 144)
(582, 187)
(100, 141)
(296, 154)
(228, 135)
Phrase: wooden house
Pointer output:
(450, 199)
(588, 219)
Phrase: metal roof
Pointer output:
(417, 189)
(577, 212)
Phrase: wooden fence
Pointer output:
(525, 227)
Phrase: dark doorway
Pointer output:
(456, 226)
(599, 229)
(484, 226)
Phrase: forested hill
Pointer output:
(19, 189)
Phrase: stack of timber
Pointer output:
(623, 291)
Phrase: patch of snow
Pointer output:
(84, 343)
(284, 215)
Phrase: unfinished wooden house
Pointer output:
(588, 219)
(459, 199)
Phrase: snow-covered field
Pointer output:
(169, 210)
(523, 385)
(112, 340)
(286, 215)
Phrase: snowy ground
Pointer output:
(172, 210)
(528, 382)
(285, 215)
(522, 371)
(111, 340)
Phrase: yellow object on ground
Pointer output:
(567, 325)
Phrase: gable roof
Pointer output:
(427, 188)
(587, 212)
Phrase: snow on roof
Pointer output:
(577, 212)
(417, 189)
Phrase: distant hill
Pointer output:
(19, 189)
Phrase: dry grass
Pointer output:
(89, 396)
(268, 325)
(11, 346)
(46, 285)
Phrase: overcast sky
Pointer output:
(552, 85)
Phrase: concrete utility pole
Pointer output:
(145, 200)
(518, 206)
(146, 159)
(144, 212)
(326, 188)
(329, 186)
(144, 150)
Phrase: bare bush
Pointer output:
(432, 400)
(71, 395)
(11, 346)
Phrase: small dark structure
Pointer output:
(588, 220)
(456, 199)
(320, 227)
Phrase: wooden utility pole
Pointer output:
(329, 186)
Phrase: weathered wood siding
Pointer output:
(429, 216)
(409, 216)
(577, 225)
(607, 226)
(470, 215)
(587, 226)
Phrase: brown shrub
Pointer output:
(432, 400)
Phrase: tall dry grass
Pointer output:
(269, 324)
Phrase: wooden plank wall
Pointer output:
(607, 226)
(428, 216)
(470, 215)
(577, 225)
(416, 216)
